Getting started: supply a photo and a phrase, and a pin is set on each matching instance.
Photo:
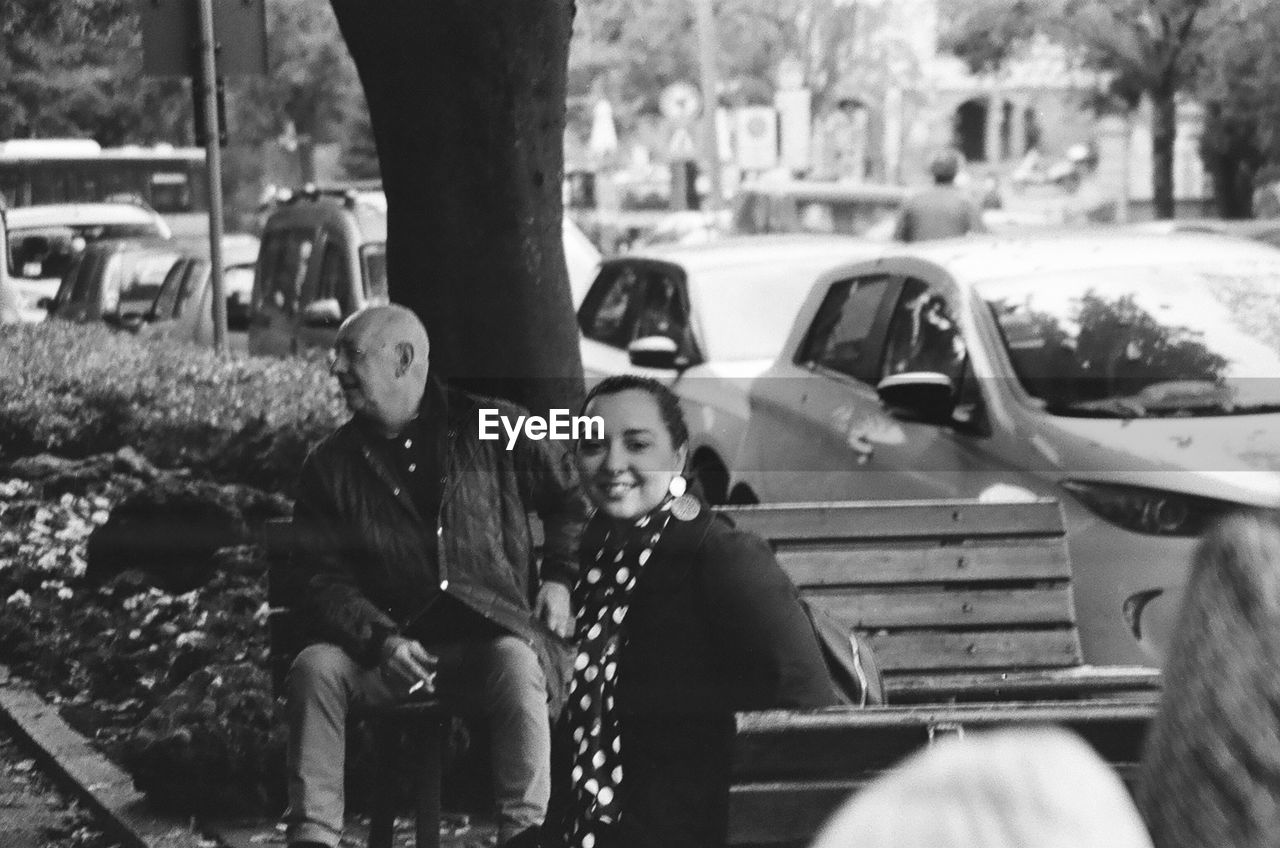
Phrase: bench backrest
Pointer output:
(940, 588)
(792, 770)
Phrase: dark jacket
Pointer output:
(714, 627)
(362, 543)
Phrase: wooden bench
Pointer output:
(426, 720)
(970, 612)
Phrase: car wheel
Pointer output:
(712, 476)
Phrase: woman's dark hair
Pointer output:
(668, 403)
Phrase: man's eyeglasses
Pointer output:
(349, 352)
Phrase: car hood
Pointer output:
(1232, 457)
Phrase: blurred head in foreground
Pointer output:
(1041, 788)
(1210, 775)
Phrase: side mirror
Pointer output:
(655, 352)
(322, 313)
(919, 395)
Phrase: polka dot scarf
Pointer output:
(603, 596)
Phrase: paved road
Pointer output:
(35, 815)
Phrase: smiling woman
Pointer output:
(682, 620)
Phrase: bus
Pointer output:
(171, 180)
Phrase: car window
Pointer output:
(664, 311)
(840, 337)
(373, 262)
(166, 305)
(924, 335)
(334, 281)
(286, 255)
(143, 274)
(608, 314)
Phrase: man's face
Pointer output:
(365, 366)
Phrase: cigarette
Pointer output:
(415, 687)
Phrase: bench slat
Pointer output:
(899, 519)
(1030, 559)
(843, 743)
(940, 607)
(1077, 682)
(933, 650)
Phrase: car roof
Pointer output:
(369, 218)
(976, 258)
(237, 248)
(63, 214)
(738, 251)
(133, 245)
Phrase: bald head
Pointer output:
(381, 360)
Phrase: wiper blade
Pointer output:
(1125, 408)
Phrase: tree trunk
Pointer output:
(467, 102)
(1164, 130)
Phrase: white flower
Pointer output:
(65, 593)
(19, 599)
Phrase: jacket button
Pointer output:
(444, 584)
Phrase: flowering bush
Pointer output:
(80, 389)
(110, 655)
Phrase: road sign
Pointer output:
(171, 36)
(680, 102)
(681, 145)
(757, 136)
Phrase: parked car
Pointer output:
(114, 281)
(811, 206)
(183, 308)
(323, 257)
(1132, 377)
(45, 240)
(704, 319)
(10, 301)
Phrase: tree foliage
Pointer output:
(73, 68)
(1157, 48)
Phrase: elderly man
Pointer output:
(414, 537)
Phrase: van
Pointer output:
(322, 258)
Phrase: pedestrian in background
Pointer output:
(943, 211)
(1041, 788)
(1210, 775)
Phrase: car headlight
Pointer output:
(1153, 512)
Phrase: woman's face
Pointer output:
(628, 471)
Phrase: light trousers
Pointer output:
(498, 678)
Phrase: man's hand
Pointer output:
(406, 660)
(553, 608)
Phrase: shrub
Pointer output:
(81, 389)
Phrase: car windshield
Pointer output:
(746, 312)
(1145, 342)
(43, 252)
